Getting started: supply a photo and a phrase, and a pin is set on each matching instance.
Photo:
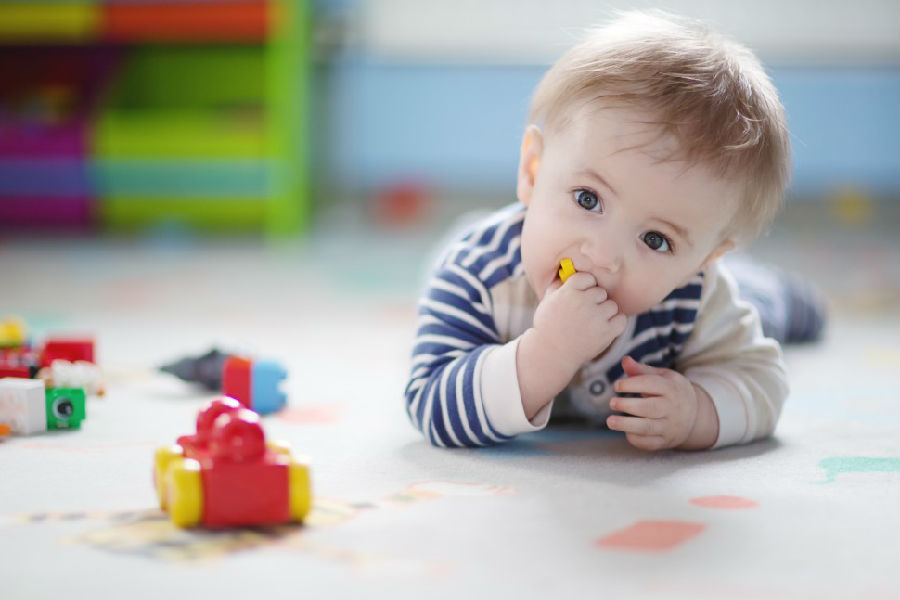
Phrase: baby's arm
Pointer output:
(726, 387)
(728, 358)
(463, 389)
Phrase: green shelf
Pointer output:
(180, 134)
(223, 215)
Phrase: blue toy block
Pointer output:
(265, 380)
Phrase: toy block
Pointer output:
(23, 405)
(236, 376)
(65, 408)
(78, 374)
(254, 383)
(67, 348)
(12, 332)
(22, 364)
(265, 393)
(566, 269)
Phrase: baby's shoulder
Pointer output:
(485, 244)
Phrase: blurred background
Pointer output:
(352, 133)
(272, 116)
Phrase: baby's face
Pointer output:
(603, 197)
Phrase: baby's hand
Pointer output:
(665, 414)
(576, 320)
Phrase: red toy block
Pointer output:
(68, 348)
(18, 371)
(18, 363)
(236, 379)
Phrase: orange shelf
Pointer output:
(192, 22)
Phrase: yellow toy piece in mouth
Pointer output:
(566, 269)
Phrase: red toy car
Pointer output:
(227, 475)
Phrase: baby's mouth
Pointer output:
(566, 269)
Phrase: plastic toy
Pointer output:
(26, 406)
(566, 269)
(19, 363)
(65, 408)
(68, 348)
(78, 374)
(227, 475)
(23, 405)
(12, 332)
(205, 369)
(254, 383)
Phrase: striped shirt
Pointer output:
(463, 388)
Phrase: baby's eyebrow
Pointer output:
(595, 175)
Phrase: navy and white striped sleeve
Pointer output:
(456, 333)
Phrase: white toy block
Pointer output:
(23, 405)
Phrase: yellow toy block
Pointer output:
(12, 332)
(566, 269)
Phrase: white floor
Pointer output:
(809, 514)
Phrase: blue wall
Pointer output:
(459, 127)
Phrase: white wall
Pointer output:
(808, 32)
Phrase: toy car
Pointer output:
(227, 475)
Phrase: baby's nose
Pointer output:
(604, 253)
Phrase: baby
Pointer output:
(653, 148)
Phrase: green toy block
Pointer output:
(65, 408)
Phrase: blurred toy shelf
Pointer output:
(135, 115)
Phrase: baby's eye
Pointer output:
(657, 241)
(587, 200)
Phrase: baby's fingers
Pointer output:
(554, 285)
(648, 385)
(581, 281)
(652, 407)
(636, 425)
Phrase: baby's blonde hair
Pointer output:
(709, 92)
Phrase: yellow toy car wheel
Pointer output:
(161, 461)
(185, 492)
(299, 490)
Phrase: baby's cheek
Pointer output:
(634, 302)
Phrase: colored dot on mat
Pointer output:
(651, 536)
(726, 502)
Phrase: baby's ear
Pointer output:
(529, 162)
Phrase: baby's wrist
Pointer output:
(555, 355)
(705, 430)
(542, 373)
